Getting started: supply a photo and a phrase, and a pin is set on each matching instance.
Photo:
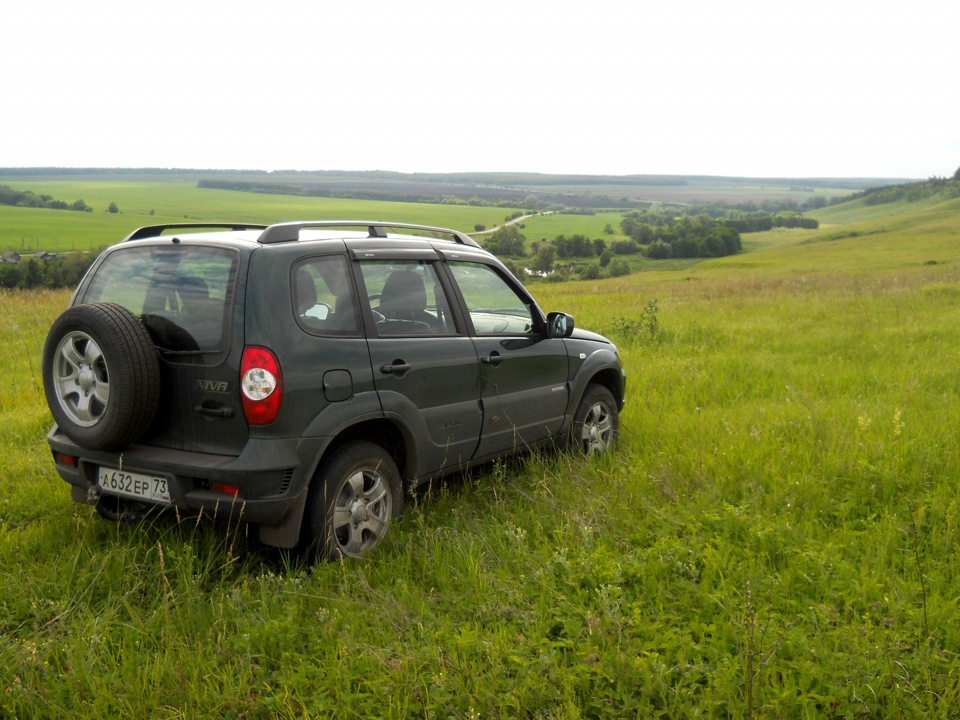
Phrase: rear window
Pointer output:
(181, 293)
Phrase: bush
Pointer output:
(9, 277)
(659, 251)
(591, 272)
(618, 267)
(508, 240)
(624, 247)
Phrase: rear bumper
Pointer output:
(272, 477)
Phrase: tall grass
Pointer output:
(775, 536)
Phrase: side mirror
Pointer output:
(559, 325)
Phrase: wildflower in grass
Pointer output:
(897, 423)
(864, 422)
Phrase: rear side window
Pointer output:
(406, 298)
(323, 297)
(182, 294)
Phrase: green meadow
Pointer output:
(776, 535)
(152, 202)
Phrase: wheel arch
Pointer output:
(612, 380)
(601, 368)
(378, 431)
(388, 435)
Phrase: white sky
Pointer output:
(756, 88)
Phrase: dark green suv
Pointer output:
(300, 376)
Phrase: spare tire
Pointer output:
(101, 376)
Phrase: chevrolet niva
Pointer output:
(300, 377)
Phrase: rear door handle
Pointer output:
(397, 367)
(222, 412)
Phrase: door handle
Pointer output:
(221, 412)
(397, 367)
(493, 358)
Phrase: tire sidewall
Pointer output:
(133, 371)
(317, 539)
(593, 395)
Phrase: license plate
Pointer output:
(133, 485)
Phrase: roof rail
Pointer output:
(290, 231)
(150, 231)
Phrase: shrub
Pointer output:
(624, 247)
(618, 267)
(659, 251)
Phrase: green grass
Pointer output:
(548, 227)
(694, 190)
(147, 203)
(858, 211)
(775, 536)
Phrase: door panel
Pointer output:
(424, 370)
(523, 373)
(524, 395)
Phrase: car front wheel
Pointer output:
(596, 423)
(353, 499)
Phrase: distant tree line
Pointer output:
(32, 273)
(509, 242)
(911, 192)
(754, 217)
(656, 235)
(26, 198)
(409, 192)
(761, 221)
(662, 235)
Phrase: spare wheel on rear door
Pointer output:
(101, 375)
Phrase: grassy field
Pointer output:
(775, 537)
(147, 203)
(712, 190)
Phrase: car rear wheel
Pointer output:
(596, 422)
(353, 499)
(101, 376)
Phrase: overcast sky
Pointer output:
(765, 88)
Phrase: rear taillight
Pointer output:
(261, 385)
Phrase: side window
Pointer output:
(406, 298)
(323, 298)
(494, 307)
